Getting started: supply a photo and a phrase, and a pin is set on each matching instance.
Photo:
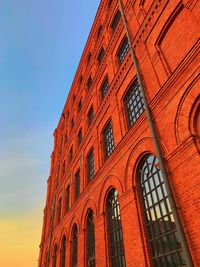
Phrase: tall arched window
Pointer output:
(63, 252)
(164, 241)
(90, 240)
(74, 248)
(55, 255)
(116, 244)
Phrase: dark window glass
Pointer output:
(66, 138)
(77, 184)
(67, 198)
(80, 136)
(80, 105)
(74, 247)
(108, 140)
(72, 123)
(164, 241)
(90, 240)
(134, 103)
(110, 3)
(116, 244)
(104, 88)
(123, 50)
(90, 116)
(55, 256)
(71, 154)
(90, 165)
(80, 79)
(101, 55)
(89, 83)
(63, 252)
(74, 98)
(89, 57)
(59, 209)
(99, 31)
(115, 20)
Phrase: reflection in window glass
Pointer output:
(165, 246)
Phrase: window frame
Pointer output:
(154, 202)
(122, 50)
(90, 173)
(112, 212)
(115, 21)
(106, 153)
(137, 98)
(102, 87)
(90, 236)
(77, 180)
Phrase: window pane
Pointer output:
(77, 185)
(134, 104)
(63, 252)
(90, 165)
(123, 50)
(116, 244)
(90, 240)
(115, 20)
(163, 238)
(74, 247)
(108, 140)
(104, 88)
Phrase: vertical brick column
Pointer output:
(133, 240)
(100, 241)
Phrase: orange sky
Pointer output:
(19, 240)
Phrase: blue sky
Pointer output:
(40, 48)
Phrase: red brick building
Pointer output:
(124, 184)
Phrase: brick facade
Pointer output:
(165, 35)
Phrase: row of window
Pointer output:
(134, 107)
(122, 51)
(163, 240)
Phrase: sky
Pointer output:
(41, 43)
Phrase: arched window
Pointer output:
(164, 241)
(74, 248)
(55, 255)
(63, 252)
(116, 244)
(90, 240)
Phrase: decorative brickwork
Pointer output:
(136, 228)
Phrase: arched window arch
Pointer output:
(164, 242)
(74, 247)
(55, 252)
(63, 252)
(90, 243)
(115, 235)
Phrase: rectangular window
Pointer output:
(72, 123)
(134, 103)
(90, 165)
(90, 116)
(101, 55)
(77, 184)
(80, 105)
(123, 50)
(115, 21)
(79, 137)
(108, 140)
(67, 198)
(104, 88)
(89, 83)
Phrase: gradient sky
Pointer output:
(41, 42)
